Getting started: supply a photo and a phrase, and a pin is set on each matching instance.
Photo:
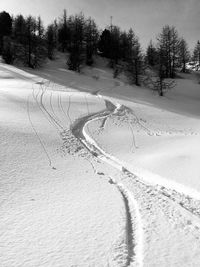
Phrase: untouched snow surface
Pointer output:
(97, 173)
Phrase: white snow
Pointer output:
(123, 191)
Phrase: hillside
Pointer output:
(95, 172)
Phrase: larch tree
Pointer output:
(184, 54)
(134, 58)
(51, 40)
(168, 43)
(64, 33)
(19, 38)
(152, 57)
(40, 50)
(5, 27)
(29, 41)
(91, 39)
(196, 53)
(104, 43)
(76, 56)
(114, 46)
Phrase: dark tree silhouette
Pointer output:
(51, 40)
(77, 55)
(104, 43)
(64, 33)
(184, 54)
(29, 41)
(152, 57)
(91, 39)
(134, 58)
(5, 27)
(168, 42)
(114, 46)
(8, 53)
(196, 53)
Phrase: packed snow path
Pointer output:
(150, 225)
(78, 129)
(134, 245)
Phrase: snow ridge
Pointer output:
(130, 200)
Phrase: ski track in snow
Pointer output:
(134, 255)
(134, 229)
(134, 247)
(78, 129)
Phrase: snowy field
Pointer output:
(94, 172)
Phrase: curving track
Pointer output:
(149, 209)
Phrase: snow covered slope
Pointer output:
(55, 211)
(95, 172)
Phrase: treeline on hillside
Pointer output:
(26, 40)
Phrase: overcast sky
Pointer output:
(146, 17)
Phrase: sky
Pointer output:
(146, 17)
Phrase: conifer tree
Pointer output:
(8, 53)
(152, 55)
(29, 41)
(124, 45)
(196, 53)
(19, 38)
(104, 43)
(91, 39)
(76, 56)
(5, 27)
(40, 50)
(51, 40)
(114, 46)
(184, 54)
(168, 42)
(64, 33)
(19, 28)
(134, 58)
